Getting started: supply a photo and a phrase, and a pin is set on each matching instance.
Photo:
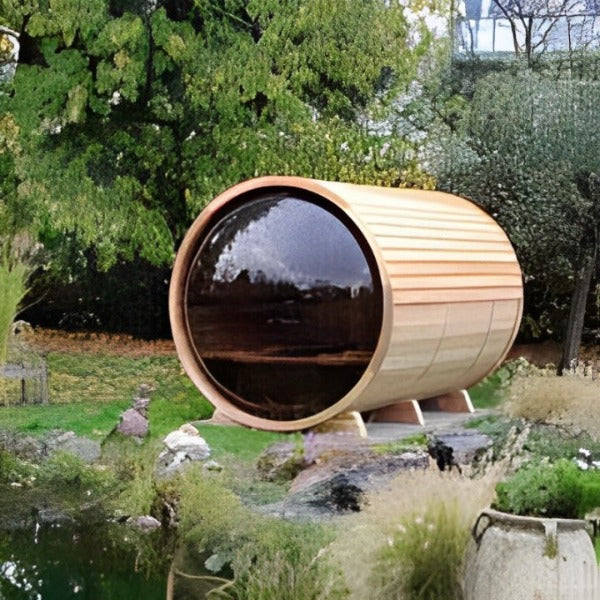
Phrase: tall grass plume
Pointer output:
(13, 287)
(410, 541)
(567, 401)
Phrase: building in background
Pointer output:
(525, 28)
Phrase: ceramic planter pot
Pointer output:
(527, 558)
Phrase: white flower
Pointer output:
(115, 98)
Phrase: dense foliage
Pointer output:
(525, 145)
(559, 490)
(125, 117)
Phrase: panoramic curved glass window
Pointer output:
(284, 305)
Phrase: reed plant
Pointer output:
(13, 287)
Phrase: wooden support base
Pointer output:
(457, 401)
(220, 418)
(346, 422)
(407, 411)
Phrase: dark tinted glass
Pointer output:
(283, 307)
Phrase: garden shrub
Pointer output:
(557, 490)
(12, 469)
(269, 558)
(68, 473)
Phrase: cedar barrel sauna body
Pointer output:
(293, 300)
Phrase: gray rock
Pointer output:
(133, 423)
(144, 523)
(53, 516)
(38, 449)
(141, 405)
(467, 446)
(340, 484)
(183, 447)
(216, 562)
(85, 449)
(281, 461)
(24, 447)
(192, 445)
(144, 390)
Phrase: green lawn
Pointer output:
(88, 392)
(244, 443)
(489, 393)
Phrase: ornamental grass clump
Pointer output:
(431, 548)
(568, 402)
(13, 279)
(410, 541)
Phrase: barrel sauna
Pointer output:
(293, 300)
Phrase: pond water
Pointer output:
(66, 562)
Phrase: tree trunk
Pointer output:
(572, 339)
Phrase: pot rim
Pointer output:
(522, 521)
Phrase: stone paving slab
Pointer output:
(435, 421)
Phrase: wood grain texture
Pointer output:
(452, 294)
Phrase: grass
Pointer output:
(237, 449)
(407, 444)
(269, 558)
(245, 444)
(88, 419)
(88, 392)
(431, 547)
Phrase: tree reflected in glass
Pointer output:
(284, 306)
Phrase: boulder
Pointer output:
(133, 423)
(183, 447)
(281, 461)
(24, 447)
(339, 483)
(35, 450)
(458, 448)
(85, 449)
(141, 405)
(144, 523)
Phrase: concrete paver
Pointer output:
(435, 421)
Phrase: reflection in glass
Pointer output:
(283, 306)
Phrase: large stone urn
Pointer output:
(527, 558)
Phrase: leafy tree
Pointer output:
(528, 149)
(131, 114)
